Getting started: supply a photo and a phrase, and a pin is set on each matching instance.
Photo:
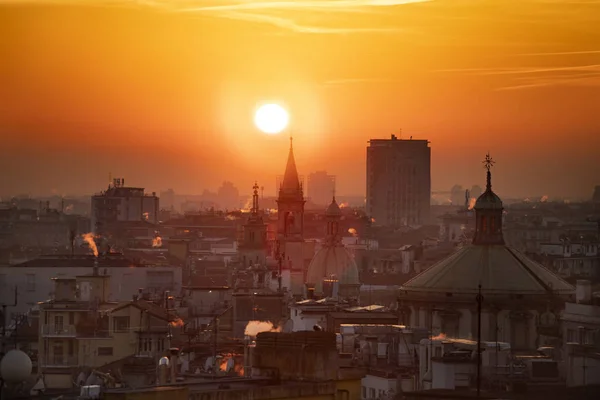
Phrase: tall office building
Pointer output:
(321, 187)
(398, 181)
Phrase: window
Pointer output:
(371, 393)
(121, 324)
(160, 344)
(30, 282)
(105, 351)
(364, 392)
(145, 345)
(58, 322)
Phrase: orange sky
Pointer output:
(162, 91)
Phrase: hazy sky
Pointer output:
(162, 92)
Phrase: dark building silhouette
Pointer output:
(398, 181)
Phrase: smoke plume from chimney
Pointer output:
(472, 202)
(177, 323)
(89, 239)
(255, 327)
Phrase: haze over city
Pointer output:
(163, 92)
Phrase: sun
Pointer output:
(271, 118)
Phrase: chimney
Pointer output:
(583, 291)
(247, 363)
(163, 370)
(173, 362)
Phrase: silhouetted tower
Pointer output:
(290, 203)
(253, 248)
(488, 212)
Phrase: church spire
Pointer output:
(255, 199)
(488, 164)
(333, 215)
(291, 182)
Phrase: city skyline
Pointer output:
(142, 90)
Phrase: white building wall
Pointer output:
(306, 322)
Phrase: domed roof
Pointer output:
(333, 261)
(333, 210)
(488, 201)
(499, 269)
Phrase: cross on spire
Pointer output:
(488, 163)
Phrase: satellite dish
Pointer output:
(15, 366)
(164, 361)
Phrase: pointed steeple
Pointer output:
(255, 199)
(291, 182)
(333, 214)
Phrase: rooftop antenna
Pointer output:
(479, 299)
(4, 306)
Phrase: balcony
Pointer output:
(60, 362)
(59, 331)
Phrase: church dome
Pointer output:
(334, 209)
(332, 262)
(499, 269)
(488, 201)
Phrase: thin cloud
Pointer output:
(351, 5)
(351, 81)
(589, 80)
(299, 28)
(560, 53)
(523, 70)
(528, 77)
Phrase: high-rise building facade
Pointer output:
(398, 181)
(121, 203)
(321, 187)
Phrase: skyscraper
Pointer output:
(321, 187)
(398, 181)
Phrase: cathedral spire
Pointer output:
(291, 182)
(333, 215)
(255, 199)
